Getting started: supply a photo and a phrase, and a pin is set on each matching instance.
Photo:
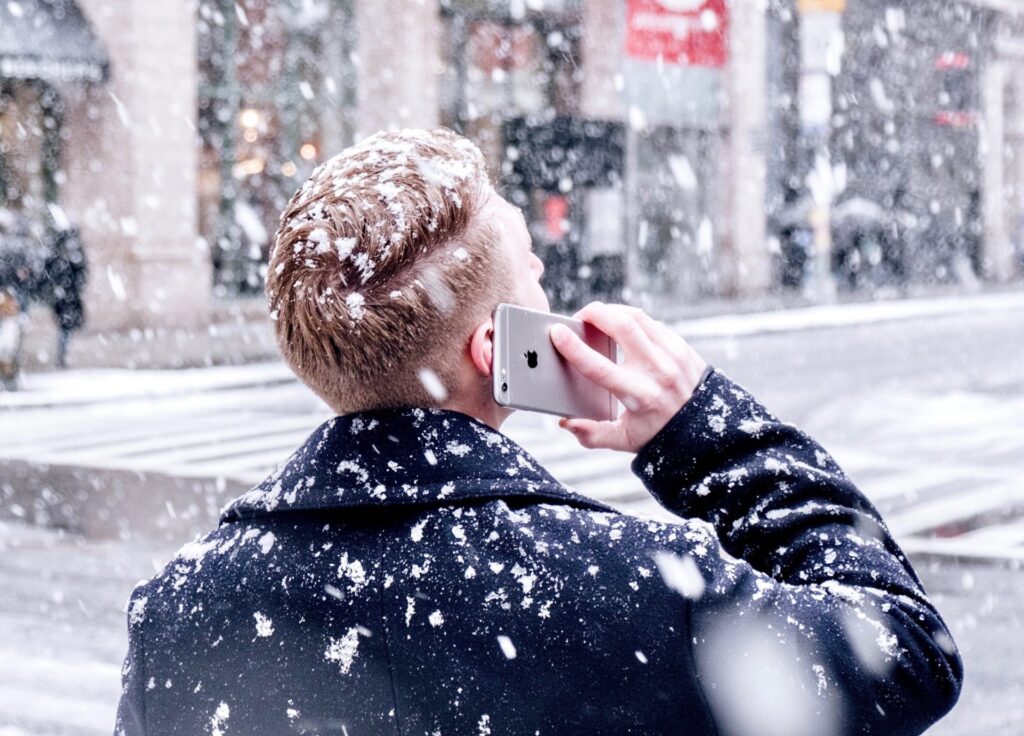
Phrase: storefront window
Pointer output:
(276, 93)
(513, 83)
(29, 146)
(508, 60)
(677, 184)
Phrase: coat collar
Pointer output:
(401, 457)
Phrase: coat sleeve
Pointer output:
(810, 618)
(131, 710)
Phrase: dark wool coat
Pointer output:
(415, 572)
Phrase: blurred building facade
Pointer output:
(665, 152)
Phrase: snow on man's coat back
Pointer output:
(415, 572)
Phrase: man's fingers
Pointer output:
(621, 327)
(591, 364)
(640, 345)
(664, 336)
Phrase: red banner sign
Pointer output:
(686, 32)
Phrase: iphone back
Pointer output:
(529, 373)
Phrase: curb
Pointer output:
(110, 503)
(846, 315)
(81, 387)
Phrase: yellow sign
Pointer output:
(828, 6)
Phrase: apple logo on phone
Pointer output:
(531, 358)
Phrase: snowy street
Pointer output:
(398, 202)
(925, 413)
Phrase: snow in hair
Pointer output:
(379, 255)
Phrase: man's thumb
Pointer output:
(591, 434)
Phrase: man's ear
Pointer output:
(481, 347)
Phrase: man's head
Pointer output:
(385, 270)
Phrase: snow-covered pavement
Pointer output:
(62, 628)
(945, 470)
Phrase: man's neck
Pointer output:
(488, 412)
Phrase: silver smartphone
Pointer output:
(529, 373)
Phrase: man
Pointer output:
(409, 570)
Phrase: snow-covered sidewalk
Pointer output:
(849, 314)
(76, 387)
(62, 628)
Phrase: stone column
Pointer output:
(746, 264)
(998, 250)
(130, 162)
(602, 50)
(398, 64)
(1015, 162)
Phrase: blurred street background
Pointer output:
(825, 196)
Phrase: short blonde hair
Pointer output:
(381, 267)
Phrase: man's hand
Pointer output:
(657, 376)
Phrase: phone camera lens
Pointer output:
(504, 387)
